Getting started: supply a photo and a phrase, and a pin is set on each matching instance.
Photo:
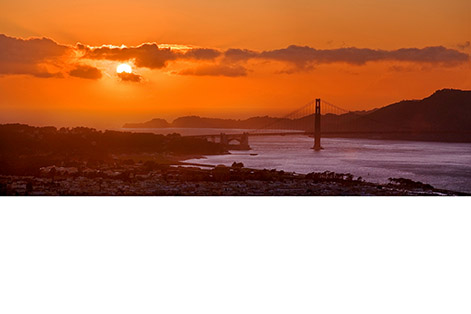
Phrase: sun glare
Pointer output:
(123, 67)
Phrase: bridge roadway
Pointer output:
(328, 133)
(253, 134)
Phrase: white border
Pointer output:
(235, 255)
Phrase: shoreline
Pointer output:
(152, 179)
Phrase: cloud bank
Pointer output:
(303, 56)
(44, 58)
(147, 55)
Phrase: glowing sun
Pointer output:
(123, 67)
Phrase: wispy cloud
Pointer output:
(216, 70)
(465, 45)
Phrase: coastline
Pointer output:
(154, 179)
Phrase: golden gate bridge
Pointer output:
(315, 119)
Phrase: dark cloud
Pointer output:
(147, 55)
(216, 70)
(201, 54)
(301, 56)
(437, 54)
(240, 54)
(129, 77)
(86, 72)
(30, 56)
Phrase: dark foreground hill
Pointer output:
(443, 116)
(25, 149)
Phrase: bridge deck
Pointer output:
(329, 133)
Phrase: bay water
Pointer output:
(443, 165)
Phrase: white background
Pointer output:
(235, 255)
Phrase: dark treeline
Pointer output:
(24, 149)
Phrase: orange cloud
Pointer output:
(42, 57)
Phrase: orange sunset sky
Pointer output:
(232, 58)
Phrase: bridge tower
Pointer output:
(317, 126)
(223, 139)
(244, 141)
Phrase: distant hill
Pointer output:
(154, 123)
(443, 116)
(200, 122)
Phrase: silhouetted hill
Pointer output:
(201, 122)
(154, 123)
(445, 110)
(443, 116)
